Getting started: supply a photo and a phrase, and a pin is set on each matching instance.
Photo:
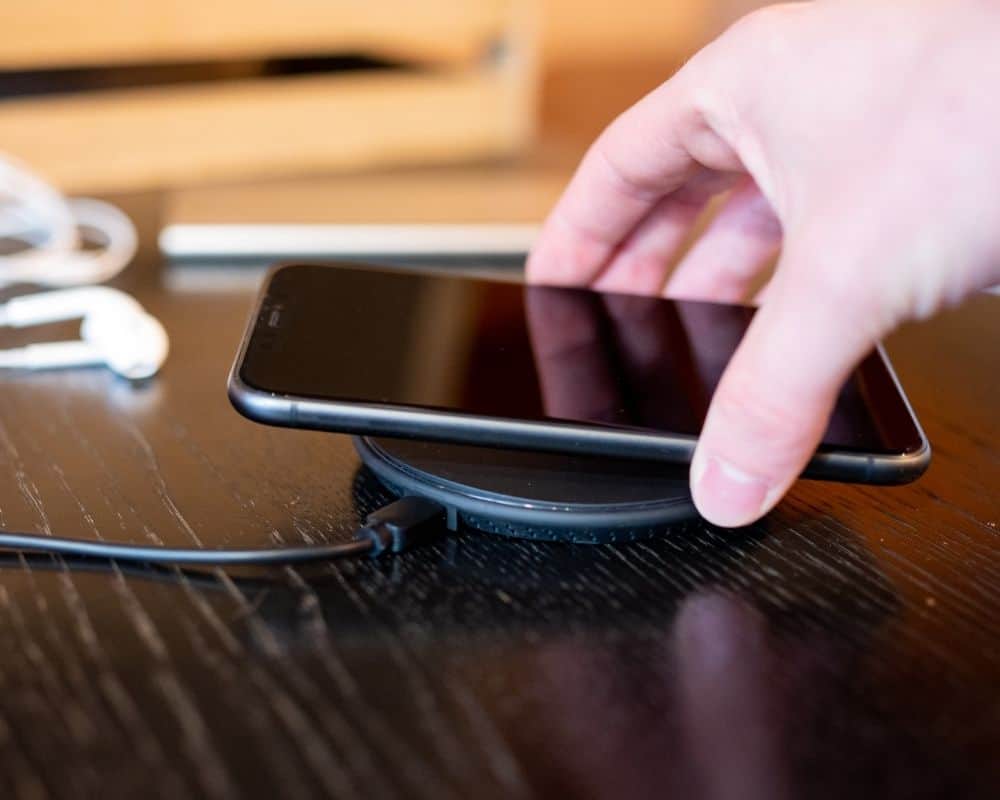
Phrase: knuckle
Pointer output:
(628, 182)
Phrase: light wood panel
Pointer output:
(112, 139)
(167, 136)
(47, 33)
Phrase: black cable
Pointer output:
(202, 578)
(406, 523)
(37, 543)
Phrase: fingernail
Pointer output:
(726, 495)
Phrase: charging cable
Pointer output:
(116, 331)
(407, 523)
(36, 216)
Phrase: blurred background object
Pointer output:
(629, 30)
(117, 95)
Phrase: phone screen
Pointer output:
(532, 353)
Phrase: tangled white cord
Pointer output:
(42, 232)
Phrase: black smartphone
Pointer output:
(367, 350)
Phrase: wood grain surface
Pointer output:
(847, 646)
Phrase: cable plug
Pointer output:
(402, 525)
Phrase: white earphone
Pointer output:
(116, 331)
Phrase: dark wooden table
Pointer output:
(847, 646)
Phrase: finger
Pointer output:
(574, 373)
(724, 264)
(775, 397)
(649, 152)
(760, 297)
(640, 265)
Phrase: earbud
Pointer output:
(116, 331)
(132, 343)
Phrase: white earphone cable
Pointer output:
(50, 241)
(34, 214)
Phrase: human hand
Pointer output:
(862, 138)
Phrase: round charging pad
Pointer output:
(533, 495)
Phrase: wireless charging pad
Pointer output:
(543, 496)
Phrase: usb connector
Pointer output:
(407, 523)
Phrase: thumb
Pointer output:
(774, 400)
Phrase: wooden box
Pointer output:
(118, 94)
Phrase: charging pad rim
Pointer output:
(518, 517)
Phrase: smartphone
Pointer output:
(360, 349)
